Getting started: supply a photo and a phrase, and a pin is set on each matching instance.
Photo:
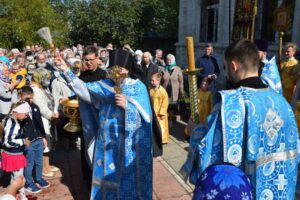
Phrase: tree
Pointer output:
(104, 21)
(118, 21)
(160, 16)
(20, 19)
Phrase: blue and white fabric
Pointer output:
(122, 163)
(270, 75)
(223, 181)
(270, 153)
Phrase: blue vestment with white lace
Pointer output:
(270, 75)
(269, 153)
(122, 160)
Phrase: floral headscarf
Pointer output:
(223, 181)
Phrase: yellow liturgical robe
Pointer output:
(204, 104)
(160, 102)
(288, 78)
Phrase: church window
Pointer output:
(209, 20)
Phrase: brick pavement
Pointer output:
(69, 184)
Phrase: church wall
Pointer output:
(189, 25)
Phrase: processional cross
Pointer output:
(117, 76)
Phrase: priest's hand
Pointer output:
(120, 100)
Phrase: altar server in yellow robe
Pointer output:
(160, 101)
(288, 72)
(205, 102)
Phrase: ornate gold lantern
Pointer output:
(71, 110)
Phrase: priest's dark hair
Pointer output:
(245, 53)
(90, 50)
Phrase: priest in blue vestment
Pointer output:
(268, 69)
(122, 161)
(252, 127)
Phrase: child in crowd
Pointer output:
(17, 76)
(204, 100)
(205, 105)
(13, 159)
(34, 131)
(160, 101)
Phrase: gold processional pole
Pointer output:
(192, 76)
(253, 20)
(280, 46)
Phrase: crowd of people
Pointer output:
(33, 79)
(123, 131)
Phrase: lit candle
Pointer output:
(190, 53)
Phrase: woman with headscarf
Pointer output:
(7, 96)
(173, 85)
(223, 181)
(44, 100)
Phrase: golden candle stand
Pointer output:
(193, 93)
(192, 75)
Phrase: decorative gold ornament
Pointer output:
(281, 23)
(117, 76)
(244, 19)
(70, 109)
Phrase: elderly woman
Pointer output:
(7, 97)
(173, 83)
(43, 99)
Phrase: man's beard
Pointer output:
(41, 65)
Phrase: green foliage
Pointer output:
(104, 21)
(118, 21)
(160, 16)
(85, 21)
(20, 19)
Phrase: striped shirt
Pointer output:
(13, 137)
